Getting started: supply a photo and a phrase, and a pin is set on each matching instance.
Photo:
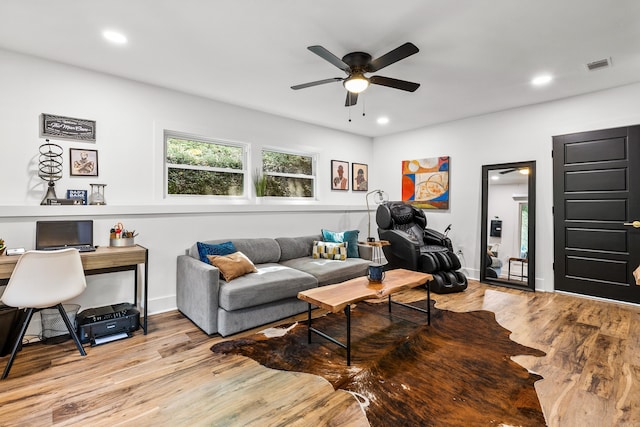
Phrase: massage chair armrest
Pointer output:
(402, 247)
(433, 237)
(197, 289)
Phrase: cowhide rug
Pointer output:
(456, 372)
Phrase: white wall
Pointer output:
(130, 119)
(515, 135)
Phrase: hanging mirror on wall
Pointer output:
(508, 225)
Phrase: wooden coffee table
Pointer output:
(340, 296)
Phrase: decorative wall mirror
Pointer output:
(508, 239)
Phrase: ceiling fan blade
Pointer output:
(389, 58)
(508, 171)
(394, 83)
(328, 56)
(316, 83)
(352, 99)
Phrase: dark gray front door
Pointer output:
(596, 191)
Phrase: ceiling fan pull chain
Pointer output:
(349, 108)
(364, 102)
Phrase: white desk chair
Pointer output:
(44, 279)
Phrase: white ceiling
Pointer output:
(476, 56)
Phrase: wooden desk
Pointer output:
(105, 259)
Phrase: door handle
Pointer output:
(634, 224)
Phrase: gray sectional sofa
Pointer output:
(285, 267)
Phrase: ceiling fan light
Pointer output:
(524, 171)
(356, 83)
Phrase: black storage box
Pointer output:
(10, 321)
(107, 321)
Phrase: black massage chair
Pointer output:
(415, 247)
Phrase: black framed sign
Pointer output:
(60, 127)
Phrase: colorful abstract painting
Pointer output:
(425, 182)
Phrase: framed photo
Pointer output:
(83, 162)
(339, 175)
(60, 127)
(360, 174)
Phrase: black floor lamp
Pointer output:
(379, 198)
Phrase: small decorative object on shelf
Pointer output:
(50, 168)
(1, 246)
(97, 194)
(78, 194)
(120, 237)
(64, 201)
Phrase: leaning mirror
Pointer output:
(508, 225)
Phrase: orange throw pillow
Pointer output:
(232, 266)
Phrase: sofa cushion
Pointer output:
(258, 250)
(272, 282)
(233, 265)
(329, 250)
(204, 249)
(329, 271)
(296, 247)
(351, 237)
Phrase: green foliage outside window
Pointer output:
(288, 175)
(204, 168)
(281, 186)
(274, 161)
(202, 182)
(195, 153)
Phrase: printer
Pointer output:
(109, 323)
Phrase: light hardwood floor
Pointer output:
(170, 377)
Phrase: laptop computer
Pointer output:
(52, 235)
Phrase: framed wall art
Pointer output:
(83, 162)
(360, 174)
(425, 182)
(60, 127)
(339, 175)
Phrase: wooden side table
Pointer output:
(376, 246)
(522, 261)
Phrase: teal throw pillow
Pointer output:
(204, 249)
(350, 237)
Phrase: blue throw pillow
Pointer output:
(204, 249)
(351, 237)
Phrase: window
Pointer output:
(288, 174)
(524, 230)
(199, 166)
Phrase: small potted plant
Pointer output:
(1, 246)
(260, 184)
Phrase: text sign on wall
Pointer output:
(59, 127)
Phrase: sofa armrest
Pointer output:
(403, 251)
(197, 291)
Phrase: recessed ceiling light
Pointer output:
(495, 177)
(541, 80)
(382, 120)
(114, 37)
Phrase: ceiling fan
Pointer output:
(523, 171)
(356, 64)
